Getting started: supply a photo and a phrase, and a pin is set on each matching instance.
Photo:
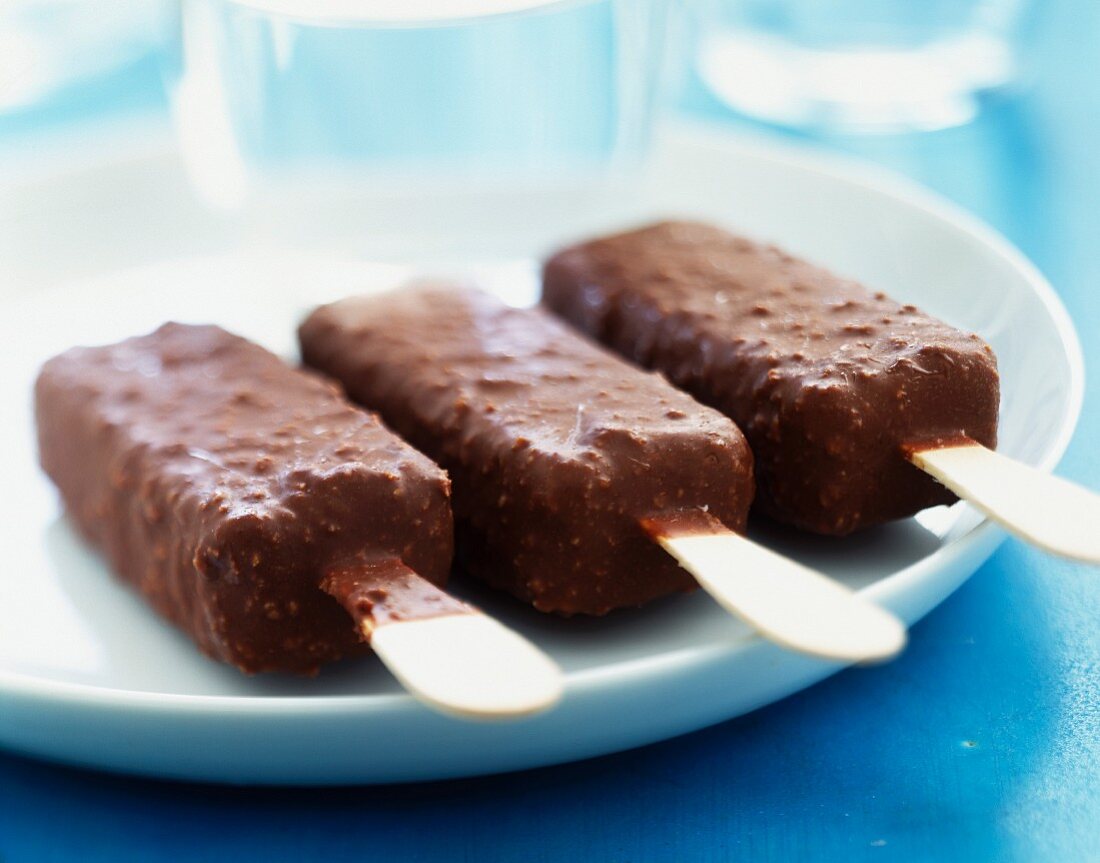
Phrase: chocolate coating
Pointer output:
(224, 485)
(556, 448)
(826, 379)
(387, 591)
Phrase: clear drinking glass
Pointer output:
(866, 65)
(318, 109)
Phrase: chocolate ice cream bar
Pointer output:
(828, 380)
(556, 448)
(232, 490)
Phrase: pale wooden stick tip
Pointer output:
(1048, 511)
(469, 665)
(784, 601)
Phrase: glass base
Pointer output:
(858, 88)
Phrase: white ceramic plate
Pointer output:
(88, 675)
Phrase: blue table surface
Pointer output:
(981, 743)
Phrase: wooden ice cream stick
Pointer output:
(448, 654)
(785, 602)
(1045, 510)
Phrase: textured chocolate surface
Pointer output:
(556, 448)
(826, 379)
(387, 591)
(223, 485)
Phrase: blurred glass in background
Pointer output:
(337, 123)
(857, 65)
(49, 45)
(278, 98)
